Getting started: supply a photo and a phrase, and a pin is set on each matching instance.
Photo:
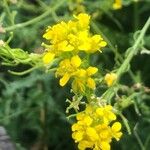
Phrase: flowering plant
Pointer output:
(73, 55)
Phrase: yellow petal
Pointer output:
(80, 116)
(112, 116)
(99, 111)
(69, 48)
(88, 120)
(104, 134)
(84, 20)
(91, 71)
(103, 44)
(78, 136)
(116, 126)
(76, 61)
(64, 46)
(48, 57)
(48, 34)
(78, 85)
(64, 79)
(96, 38)
(105, 146)
(118, 136)
(85, 144)
(81, 73)
(85, 46)
(76, 127)
(91, 132)
(91, 83)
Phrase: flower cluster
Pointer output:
(96, 127)
(71, 68)
(68, 41)
(73, 36)
(71, 43)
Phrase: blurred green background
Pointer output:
(32, 107)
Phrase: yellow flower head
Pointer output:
(93, 44)
(68, 68)
(71, 68)
(93, 131)
(110, 78)
(83, 79)
(73, 36)
(83, 20)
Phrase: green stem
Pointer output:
(23, 72)
(125, 121)
(147, 142)
(37, 19)
(8, 12)
(133, 51)
(138, 138)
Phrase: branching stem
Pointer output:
(36, 19)
(133, 51)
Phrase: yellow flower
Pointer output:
(68, 68)
(91, 83)
(93, 44)
(83, 79)
(91, 130)
(83, 20)
(107, 113)
(117, 4)
(56, 33)
(110, 78)
(76, 61)
(78, 85)
(105, 146)
(116, 127)
(91, 71)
